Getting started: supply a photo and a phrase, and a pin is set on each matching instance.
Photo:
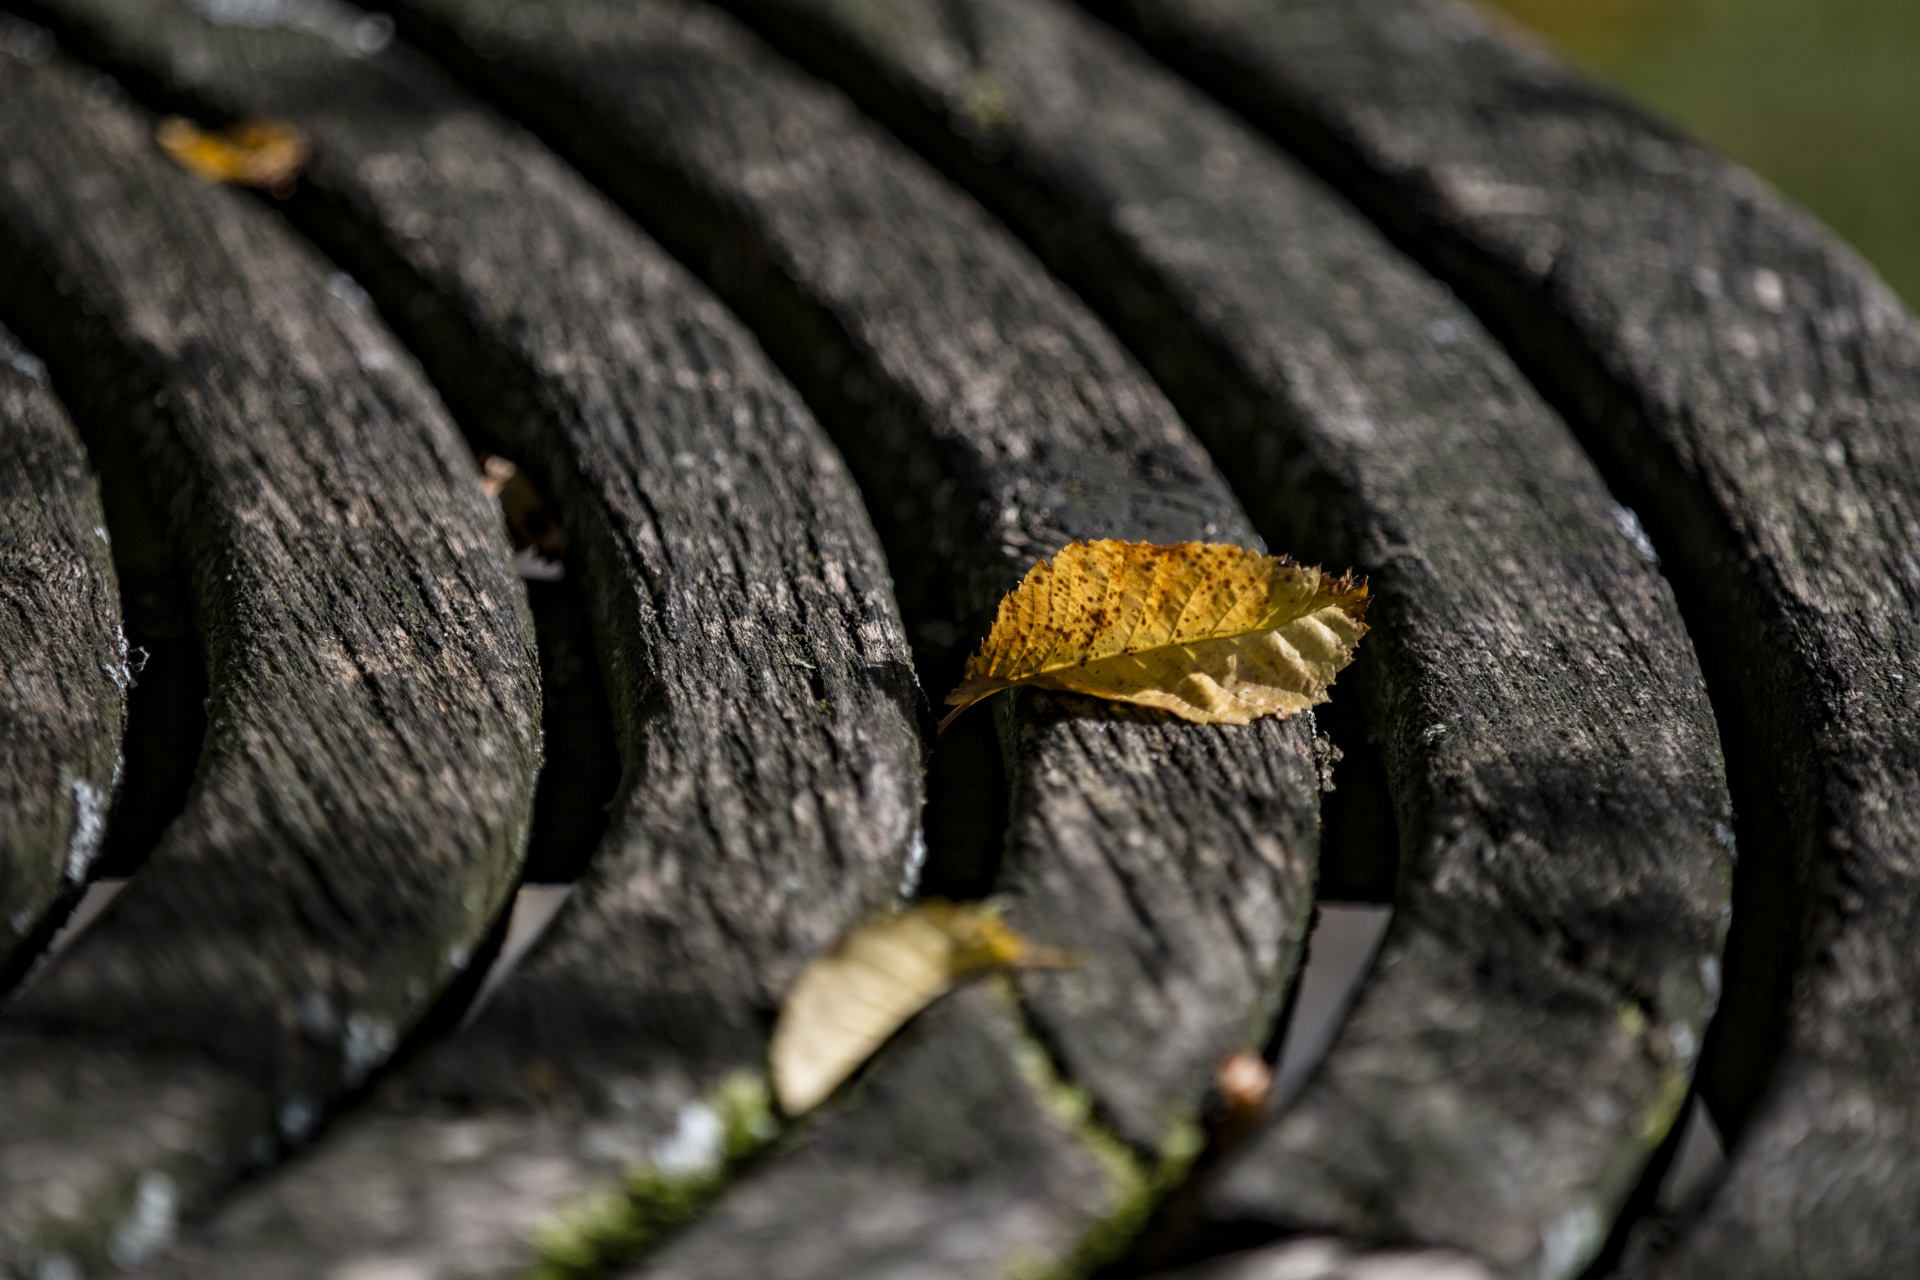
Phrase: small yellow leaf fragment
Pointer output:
(849, 1001)
(253, 153)
(1212, 633)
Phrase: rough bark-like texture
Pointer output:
(1551, 750)
(994, 1174)
(1754, 391)
(63, 671)
(761, 681)
(361, 806)
(991, 421)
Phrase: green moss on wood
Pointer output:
(624, 1222)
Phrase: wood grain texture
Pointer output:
(761, 682)
(64, 677)
(361, 806)
(1753, 390)
(990, 421)
(1551, 750)
(953, 1157)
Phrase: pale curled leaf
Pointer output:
(253, 153)
(1212, 633)
(847, 1002)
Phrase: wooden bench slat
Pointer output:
(361, 807)
(64, 689)
(760, 675)
(954, 1159)
(991, 421)
(1553, 755)
(1755, 392)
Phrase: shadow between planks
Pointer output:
(976, 874)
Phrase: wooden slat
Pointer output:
(1754, 391)
(361, 805)
(762, 686)
(959, 1156)
(1551, 750)
(991, 421)
(63, 692)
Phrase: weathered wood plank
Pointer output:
(957, 1155)
(1551, 750)
(361, 806)
(990, 421)
(730, 520)
(63, 678)
(1754, 391)
(760, 677)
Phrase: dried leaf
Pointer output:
(253, 153)
(1214, 634)
(850, 1000)
(520, 502)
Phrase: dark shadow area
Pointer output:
(1758, 698)
(1359, 840)
(966, 814)
(581, 769)
(166, 714)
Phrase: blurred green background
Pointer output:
(1821, 97)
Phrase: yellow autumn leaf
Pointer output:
(847, 1002)
(253, 153)
(1215, 634)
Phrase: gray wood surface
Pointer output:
(63, 665)
(956, 1155)
(1754, 391)
(1552, 756)
(763, 694)
(991, 420)
(1323, 1258)
(361, 805)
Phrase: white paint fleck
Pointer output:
(89, 828)
(57, 1267)
(1627, 521)
(149, 1225)
(1768, 289)
(1570, 1241)
(916, 863)
(1723, 834)
(32, 366)
(296, 1118)
(381, 1268)
(372, 34)
(348, 290)
(365, 1046)
(351, 28)
(696, 1144)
